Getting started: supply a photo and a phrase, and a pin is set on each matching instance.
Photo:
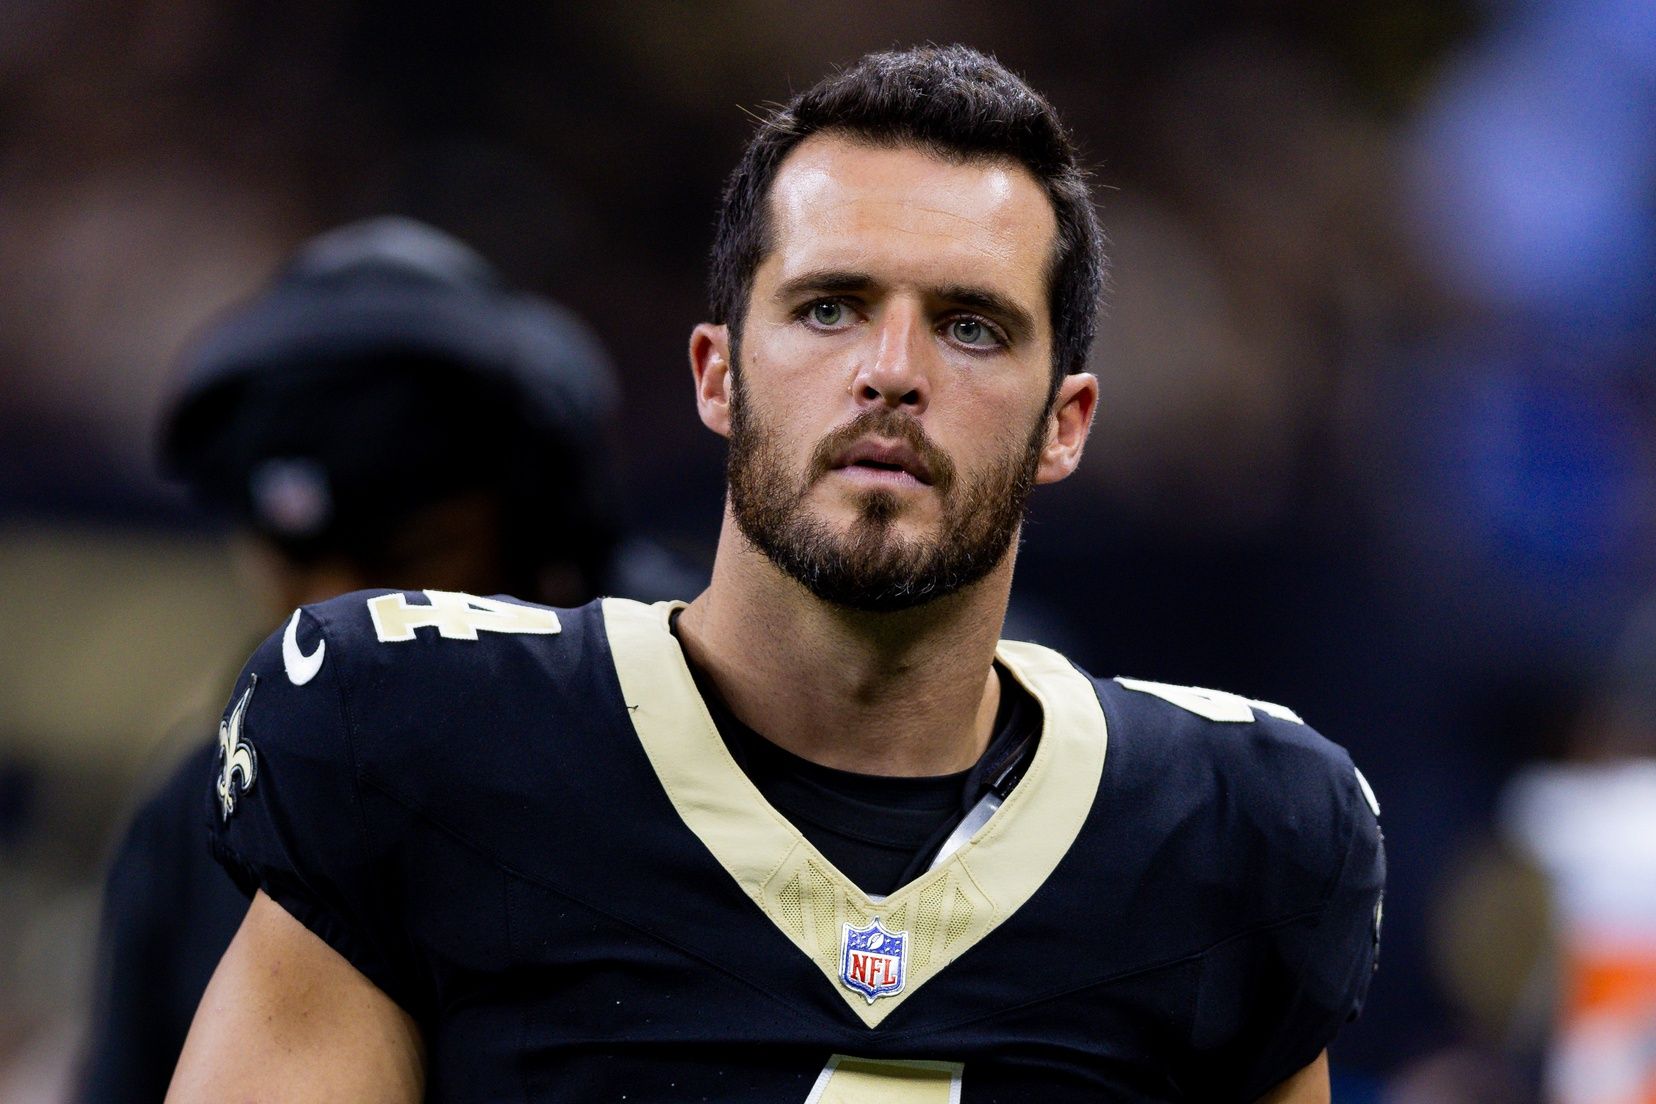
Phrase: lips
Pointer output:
(884, 455)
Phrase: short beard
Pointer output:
(871, 567)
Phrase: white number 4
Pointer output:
(1215, 705)
(456, 616)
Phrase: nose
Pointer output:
(895, 374)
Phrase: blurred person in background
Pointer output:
(386, 411)
(1588, 824)
(1545, 936)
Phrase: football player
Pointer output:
(817, 835)
(387, 408)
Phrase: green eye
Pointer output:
(970, 331)
(827, 313)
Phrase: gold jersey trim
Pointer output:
(947, 910)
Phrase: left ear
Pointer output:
(1067, 427)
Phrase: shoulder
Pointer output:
(399, 654)
(1267, 858)
(1264, 795)
(1239, 745)
(385, 630)
(401, 670)
(381, 677)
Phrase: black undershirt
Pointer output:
(878, 830)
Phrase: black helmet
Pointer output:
(388, 366)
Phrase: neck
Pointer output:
(912, 692)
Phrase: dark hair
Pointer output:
(953, 102)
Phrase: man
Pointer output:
(815, 836)
(387, 409)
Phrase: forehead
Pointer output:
(906, 215)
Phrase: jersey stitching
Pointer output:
(1349, 839)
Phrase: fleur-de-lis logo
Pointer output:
(236, 756)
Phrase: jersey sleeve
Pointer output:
(285, 807)
(1311, 970)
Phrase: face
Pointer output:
(888, 402)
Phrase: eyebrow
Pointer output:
(823, 280)
(839, 281)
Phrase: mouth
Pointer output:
(885, 460)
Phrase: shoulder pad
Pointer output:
(1280, 799)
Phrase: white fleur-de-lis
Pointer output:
(236, 756)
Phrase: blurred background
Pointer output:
(1377, 434)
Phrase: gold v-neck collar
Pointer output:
(945, 911)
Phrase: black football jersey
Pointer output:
(521, 824)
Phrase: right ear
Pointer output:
(710, 363)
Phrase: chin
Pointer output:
(878, 508)
(873, 533)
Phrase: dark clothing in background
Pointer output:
(169, 913)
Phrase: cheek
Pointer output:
(1002, 421)
(795, 387)
(771, 414)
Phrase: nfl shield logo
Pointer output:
(874, 961)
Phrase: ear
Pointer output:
(710, 364)
(1067, 427)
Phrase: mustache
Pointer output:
(881, 421)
